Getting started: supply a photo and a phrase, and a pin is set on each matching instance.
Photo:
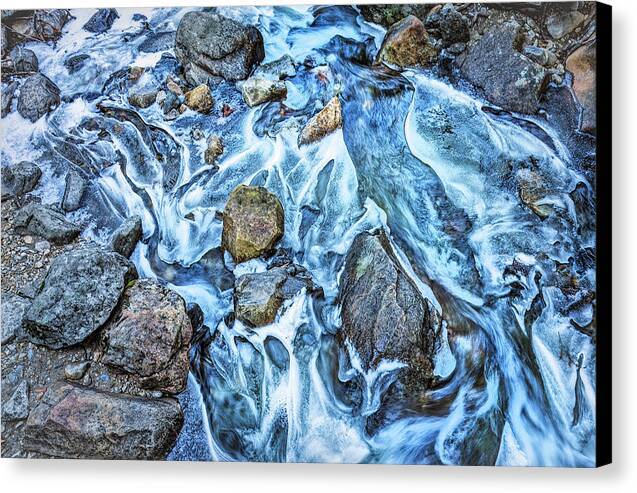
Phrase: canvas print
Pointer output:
(329, 233)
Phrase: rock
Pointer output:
(142, 99)
(508, 78)
(323, 123)
(276, 70)
(48, 23)
(582, 63)
(75, 62)
(76, 371)
(532, 190)
(17, 407)
(125, 238)
(7, 94)
(199, 99)
(76, 422)
(214, 149)
(539, 55)
(156, 42)
(386, 15)
(80, 292)
(38, 96)
(562, 23)
(253, 223)
(453, 26)
(258, 91)
(13, 310)
(384, 315)
(73, 191)
(19, 179)
(42, 246)
(211, 45)
(47, 222)
(24, 60)
(258, 296)
(407, 44)
(151, 337)
(101, 21)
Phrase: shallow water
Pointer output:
(416, 156)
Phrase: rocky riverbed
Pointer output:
(333, 233)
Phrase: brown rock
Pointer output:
(323, 123)
(407, 44)
(214, 150)
(582, 63)
(199, 99)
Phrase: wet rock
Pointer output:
(125, 238)
(17, 407)
(6, 94)
(19, 179)
(76, 422)
(258, 91)
(323, 123)
(75, 62)
(47, 222)
(80, 292)
(151, 337)
(276, 70)
(200, 99)
(211, 45)
(38, 96)
(452, 25)
(384, 315)
(582, 63)
(277, 352)
(541, 56)
(508, 78)
(24, 60)
(562, 23)
(75, 185)
(259, 296)
(48, 23)
(386, 15)
(76, 371)
(253, 223)
(143, 99)
(407, 44)
(101, 21)
(532, 190)
(214, 149)
(13, 310)
(156, 42)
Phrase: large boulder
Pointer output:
(211, 45)
(150, 337)
(257, 91)
(47, 222)
(326, 121)
(508, 78)
(384, 315)
(77, 422)
(30, 25)
(78, 295)
(582, 63)
(253, 223)
(19, 179)
(407, 44)
(101, 21)
(452, 26)
(38, 96)
(48, 23)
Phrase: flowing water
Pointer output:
(430, 163)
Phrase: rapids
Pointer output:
(418, 155)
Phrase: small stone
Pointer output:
(28, 239)
(17, 407)
(76, 371)
(42, 246)
(323, 123)
(75, 185)
(214, 150)
(174, 87)
(257, 91)
(199, 99)
(135, 72)
(142, 99)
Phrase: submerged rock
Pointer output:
(199, 99)
(258, 91)
(323, 123)
(211, 45)
(384, 315)
(277, 69)
(214, 149)
(101, 21)
(155, 42)
(80, 292)
(407, 44)
(76, 62)
(253, 223)
(19, 179)
(582, 63)
(151, 337)
(38, 96)
(508, 78)
(125, 238)
(532, 190)
(75, 185)
(76, 422)
(47, 222)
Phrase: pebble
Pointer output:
(28, 239)
(43, 246)
(75, 371)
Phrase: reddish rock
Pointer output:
(582, 63)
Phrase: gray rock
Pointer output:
(80, 292)
(24, 60)
(508, 79)
(101, 21)
(17, 407)
(452, 25)
(142, 99)
(48, 23)
(562, 23)
(541, 56)
(38, 96)
(384, 315)
(279, 69)
(7, 94)
(19, 179)
(76, 62)
(151, 337)
(73, 191)
(76, 422)
(47, 222)
(155, 42)
(257, 91)
(210, 45)
(13, 310)
(125, 238)
(75, 371)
